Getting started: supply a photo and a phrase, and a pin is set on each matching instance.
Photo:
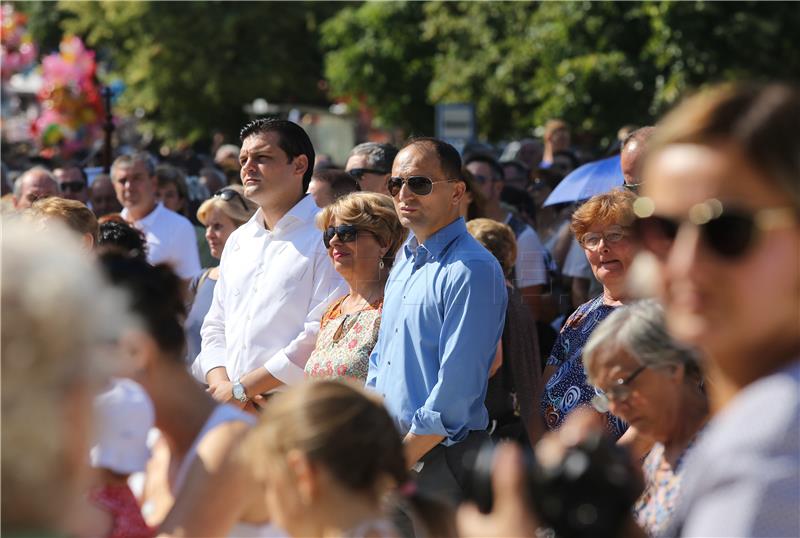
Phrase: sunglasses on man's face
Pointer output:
(729, 233)
(346, 233)
(419, 185)
(72, 186)
(229, 194)
(358, 173)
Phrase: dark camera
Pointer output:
(589, 493)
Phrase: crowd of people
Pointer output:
(302, 350)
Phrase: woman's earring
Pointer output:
(381, 265)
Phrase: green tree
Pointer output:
(377, 54)
(192, 66)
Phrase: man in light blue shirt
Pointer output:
(443, 314)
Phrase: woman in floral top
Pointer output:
(643, 376)
(362, 234)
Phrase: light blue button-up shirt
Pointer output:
(443, 314)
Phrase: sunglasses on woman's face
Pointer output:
(229, 194)
(345, 232)
(419, 185)
(729, 233)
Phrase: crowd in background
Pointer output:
(267, 343)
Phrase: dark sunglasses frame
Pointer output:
(345, 232)
(358, 173)
(71, 186)
(729, 233)
(419, 185)
(229, 194)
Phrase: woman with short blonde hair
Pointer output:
(362, 234)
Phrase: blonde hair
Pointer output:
(56, 309)
(233, 208)
(369, 211)
(497, 238)
(614, 207)
(73, 213)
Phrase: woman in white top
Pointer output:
(191, 465)
(328, 454)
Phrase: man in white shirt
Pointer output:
(170, 237)
(275, 279)
(530, 269)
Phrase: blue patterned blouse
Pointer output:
(568, 387)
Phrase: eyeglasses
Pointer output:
(229, 194)
(620, 392)
(633, 187)
(346, 233)
(729, 233)
(358, 173)
(591, 241)
(419, 185)
(72, 186)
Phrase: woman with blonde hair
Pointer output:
(74, 214)
(221, 215)
(362, 234)
(330, 457)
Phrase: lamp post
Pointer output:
(108, 127)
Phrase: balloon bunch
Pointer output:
(70, 98)
(17, 50)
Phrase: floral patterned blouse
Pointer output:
(662, 485)
(345, 342)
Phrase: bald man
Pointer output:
(37, 182)
(630, 155)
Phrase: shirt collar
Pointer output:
(303, 211)
(148, 219)
(437, 243)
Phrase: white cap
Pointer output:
(124, 415)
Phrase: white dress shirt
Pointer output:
(171, 239)
(530, 267)
(273, 287)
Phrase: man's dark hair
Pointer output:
(489, 160)
(292, 139)
(340, 181)
(74, 164)
(115, 236)
(379, 156)
(449, 159)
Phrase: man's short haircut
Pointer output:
(38, 169)
(74, 214)
(68, 165)
(499, 174)
(292, 139)
(341, 182)
(449, 159)
(129, 160)
(641, 135)
(379, 156)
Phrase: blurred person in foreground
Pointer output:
(57, 313)
(517, 369)
(721, 213)
(170, 236)
(329, 185)
(443, 316)
(370, 164)
(102, 196)
(362, 235)
(333, 465)
(72, 182)
(631, 153)
(189, 476)
(275, 278)
(37, 182)
(603, 228)
(221, 215)
(72, 214)
(655, 384)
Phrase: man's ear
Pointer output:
(459, 189)
(305, 474)
(301, 164)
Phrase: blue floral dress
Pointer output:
(568, 388)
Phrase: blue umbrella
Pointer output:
(585, 181)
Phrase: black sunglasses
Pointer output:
(729, 233)
(419, 185)
(72, 186)
(358, 173)
(345, 232)
(229, 194)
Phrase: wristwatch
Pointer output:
(239, 392)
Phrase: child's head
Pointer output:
(124, 415)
